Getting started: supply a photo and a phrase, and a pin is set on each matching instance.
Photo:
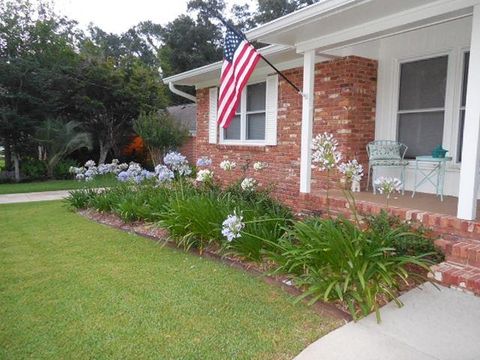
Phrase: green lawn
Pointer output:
(74, 289)
(51, 185)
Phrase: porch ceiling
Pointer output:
(333, 23)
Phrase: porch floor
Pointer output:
(421, 201)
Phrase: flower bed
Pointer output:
(358, 265)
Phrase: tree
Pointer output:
(160, 133)
(268, 10)
(58, 139)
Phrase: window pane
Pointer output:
(256, 126)
(466, 61)
(256, 95)
(422, 84)
(233, 131)
(421, 132)
(461, 124)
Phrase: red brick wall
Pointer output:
(345, 92)
(189, 150)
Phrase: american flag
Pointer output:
(239, 61)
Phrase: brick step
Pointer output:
(460, 251)
(462, 277)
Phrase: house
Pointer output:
(186, 115)
(370, 69)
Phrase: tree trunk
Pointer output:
(8, 155)
(17, 167)
(104, 150)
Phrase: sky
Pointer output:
(118, 16)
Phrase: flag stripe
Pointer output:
(230, 102)
(240, 59)
(241, 82)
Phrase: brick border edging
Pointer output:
(320, 307)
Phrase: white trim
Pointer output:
(393, 23)
(307, 121)
(212, 115)
(469, 177)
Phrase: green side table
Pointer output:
(436, 175)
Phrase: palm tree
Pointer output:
(58, 139)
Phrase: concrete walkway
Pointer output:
(433, 325)
(33, 196)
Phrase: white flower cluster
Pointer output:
(325, 155)
(257, 166)
(352, 170)
(204, 161)
(90, 170)
(135, 173)
(248, 184)
(232, 227)
(177, 163)
(204, 175)
(387, 185)
(228, 165)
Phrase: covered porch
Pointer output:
(446, 112)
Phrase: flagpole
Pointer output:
(239, 33)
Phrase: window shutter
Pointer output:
(271, 110)
(212, 116)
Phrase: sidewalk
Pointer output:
(433, 325)
(33, 196)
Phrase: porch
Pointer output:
(428, 83)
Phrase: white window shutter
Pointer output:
(271, 110)
(212, 116)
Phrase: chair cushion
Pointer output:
(388, 162)
(385, 152)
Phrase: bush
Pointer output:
(196, 220)
(61, 171)
(406, 238)
(81, 199)
(335, 260)
(33, 169)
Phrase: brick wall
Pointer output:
(189, 149)
(345, 92)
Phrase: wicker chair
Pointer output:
(386, 153)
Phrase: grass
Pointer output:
(71, 288)
(52, 185)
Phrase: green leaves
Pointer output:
(337, 261)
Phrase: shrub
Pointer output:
(406, 238)
(335, 260)
(62, 170)
(195, 221)
(81, 199)
(34, 169)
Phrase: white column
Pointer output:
(307, 121)
(467, 195)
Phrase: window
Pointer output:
(463, 101)
(248, 125)
(421, 106)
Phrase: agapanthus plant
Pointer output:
(257, 166)
(352, 170)
(164, 174)
(204, 161)
(325, 155)
(204, 175)
(387, 185)
(248, 184)
(228, 165)
(135, 173)
(232, 226)
(178, 163)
